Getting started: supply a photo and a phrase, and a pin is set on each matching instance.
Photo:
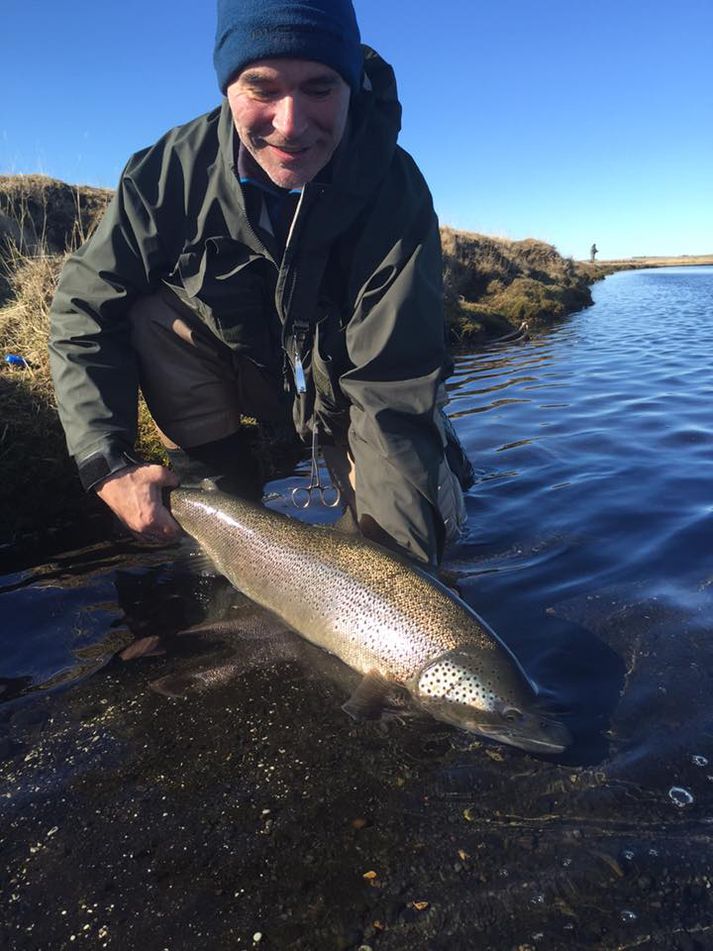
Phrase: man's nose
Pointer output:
(289, 119)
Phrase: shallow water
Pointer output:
(258, 807)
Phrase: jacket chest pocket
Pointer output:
(232, 289)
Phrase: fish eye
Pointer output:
(512, 714)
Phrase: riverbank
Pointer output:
(492, 286)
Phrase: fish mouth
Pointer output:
(554, 737)
(526, 727)
(530, 731)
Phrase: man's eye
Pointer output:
(260, 92)
(262, 95)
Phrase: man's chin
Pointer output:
(289, 177)
(289, 170)
(290, 180)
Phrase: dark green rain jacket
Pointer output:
(377, 356)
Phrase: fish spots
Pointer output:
(457, 681)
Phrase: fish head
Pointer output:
(485, 691)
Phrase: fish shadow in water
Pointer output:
(194, 633)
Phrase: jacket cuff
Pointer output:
(103, 463)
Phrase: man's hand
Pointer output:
(134, 495)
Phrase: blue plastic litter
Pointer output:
(15, 360)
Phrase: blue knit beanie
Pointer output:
(324, 31)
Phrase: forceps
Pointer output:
(329, 495)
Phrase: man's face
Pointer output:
(290, 115)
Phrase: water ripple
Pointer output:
(616, 455)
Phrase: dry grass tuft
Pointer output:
(39, 484)
(36, 470)
(24, 321)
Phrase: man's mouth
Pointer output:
(288, 151)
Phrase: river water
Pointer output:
(257, 813)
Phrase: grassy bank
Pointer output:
(492, 286)
(41, 220)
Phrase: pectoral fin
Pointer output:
(194, 561)
(370, 697)
(347, 524)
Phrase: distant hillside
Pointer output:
(39, 219)
(681, 260)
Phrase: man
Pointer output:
(279, 250)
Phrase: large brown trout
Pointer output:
(377, 612)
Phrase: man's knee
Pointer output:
(187, 376)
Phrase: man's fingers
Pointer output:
(134, 495)
(166, 478)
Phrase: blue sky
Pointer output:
(562, 120)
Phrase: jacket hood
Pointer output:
(375, 116)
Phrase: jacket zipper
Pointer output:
(300, 330)
(296, 335)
